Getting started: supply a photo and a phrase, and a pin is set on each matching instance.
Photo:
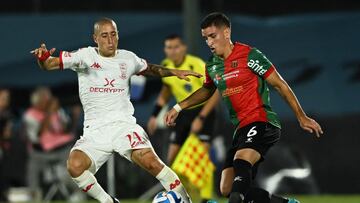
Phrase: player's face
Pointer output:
(217, 38)
(174, 49)
(106, 37)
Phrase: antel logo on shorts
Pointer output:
(108, 87)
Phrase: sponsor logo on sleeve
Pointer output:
(255, 66)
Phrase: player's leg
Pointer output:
(179, 135)
(173, 150)
(244, 159)
(148, 160)
(227, 178)
(250, 143)
(253, 195)
(89, 153)
(134, 145)
(78, 165)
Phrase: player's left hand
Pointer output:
(196, 125)
(42, 53)
(170, 117)
(311, 126)
(183, 74)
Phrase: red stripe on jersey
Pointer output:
(248, 102)
(61, 65)
(269, 71)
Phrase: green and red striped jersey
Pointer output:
(240, 79)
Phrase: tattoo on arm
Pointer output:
(157, 70)
(144, 152)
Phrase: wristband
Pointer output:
(43, 57)
(177, 108)
(156, 110)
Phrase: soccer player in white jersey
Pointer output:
(104, 76)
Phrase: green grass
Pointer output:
(301, 198)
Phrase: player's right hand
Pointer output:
(151, 125)
(170, 117)
(41, 53)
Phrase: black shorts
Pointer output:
(260, 136)
(183, 126)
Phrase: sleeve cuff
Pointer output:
(61, 64)
(269, 71)
(142, 70)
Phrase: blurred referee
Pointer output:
(199, 119)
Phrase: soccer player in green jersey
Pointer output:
(241, 74)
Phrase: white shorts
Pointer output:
(101, 142)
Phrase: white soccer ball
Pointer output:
(168, 197)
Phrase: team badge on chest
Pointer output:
(123, 70)
(234, 64)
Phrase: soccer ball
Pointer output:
(168, 197)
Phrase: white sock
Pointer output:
(170, 181)
(88, 183)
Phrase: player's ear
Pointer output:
(227, 33)
(94, 38)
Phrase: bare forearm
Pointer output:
(158, 70)
(210, 104)
(198, 97)
(286, 92)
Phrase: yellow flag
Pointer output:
(193, 162)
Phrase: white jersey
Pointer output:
(104, 83)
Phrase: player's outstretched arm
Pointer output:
(286, 92)
(198, 97)
(44, 58)
(161, 71)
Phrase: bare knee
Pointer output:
(77, 163)
(172, 152)
(249, 155)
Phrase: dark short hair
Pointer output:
(217, 19)
(174, 36)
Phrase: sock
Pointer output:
(263, 196)
(278, 199)
(257, 195)
(170, 181)
(241, 182)
(88, 183)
